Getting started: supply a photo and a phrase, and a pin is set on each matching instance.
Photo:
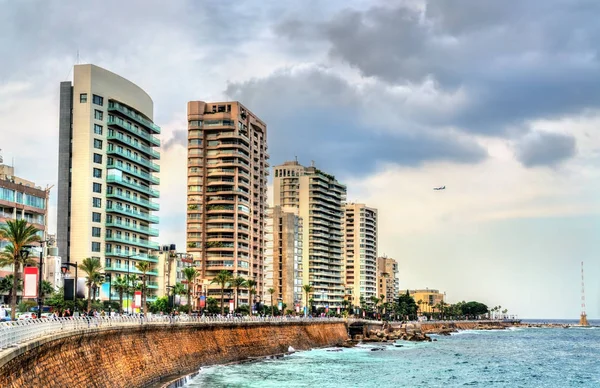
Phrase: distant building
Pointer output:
(360, 253)
(316, 197)
(387, 278)
(426, 299)
(170, 269)
(283, 258)
(21, 199)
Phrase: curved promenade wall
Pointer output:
(142, 355)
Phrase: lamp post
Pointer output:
(24, 252)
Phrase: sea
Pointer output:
(517, 357)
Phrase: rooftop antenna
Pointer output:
(78, 56)
(296, 157)
(583, 318)
(1, 160)
(312, 163)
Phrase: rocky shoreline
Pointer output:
(420, 332)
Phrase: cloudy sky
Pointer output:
(499, 103)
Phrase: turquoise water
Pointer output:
(527, 357)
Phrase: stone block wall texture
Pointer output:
(139, 356)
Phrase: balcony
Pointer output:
(135, 228)
(135, 256)
(128, 212)
(140, 174)
(129, 156)
(135, 200)
(117, 121)
(113, 135)
(130, 241)
(115, 106)
(135, 186)
(132, 269)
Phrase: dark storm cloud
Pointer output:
(179, 138)
(545, 149)
(517, 61)
(316, 116)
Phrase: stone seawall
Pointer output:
(436, 327)
(139, 356)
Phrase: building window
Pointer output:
(98, 100)
(96, 202)
(97, 173)
(98, 144)
(97, 188)
(95, 247)
(97, 158)
(98, 129)
(98, 115)
(95, 232)
(96, 217)
(83, 98)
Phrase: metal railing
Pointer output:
(14, 333)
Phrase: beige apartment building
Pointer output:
(171, 264)
(360, 238)
(283, 258)
(387, 278)
(106, 174)
(226, 193)
(316, 197)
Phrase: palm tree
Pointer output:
(91, 266)
(238, 283)
(251, 285)
(307, 288)
(190, 275)
(47, 289)
(18, 234)
(272, 291)
(222, 279)
(420, 302)
(121, 285)
(144, 267)
(6, 285)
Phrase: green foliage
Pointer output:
(25, 305)
(160, 304)
(212, 305)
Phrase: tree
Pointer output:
(6, 285)
(222, 279)
(120, 285)
(91, 266)
(406, 306)
(251, 284)
(47, 289)
(144, 267)
(190, 275)
(272, 291)
(19, 234)
(237, 283)
(308, 289)
(160, 304)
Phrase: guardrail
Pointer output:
(14, 333)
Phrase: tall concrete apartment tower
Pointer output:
(227, 193)
(106, 181)
(283, 258)
(360, 233)
(318, 199)
(387, 278)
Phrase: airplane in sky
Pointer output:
(440, 188)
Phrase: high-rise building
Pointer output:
(387, 278)
(227, 193)
(318, 199)
(283, 258)
(360, 253)
(106, 181)
(21, 199)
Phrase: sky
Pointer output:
(500, 103)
